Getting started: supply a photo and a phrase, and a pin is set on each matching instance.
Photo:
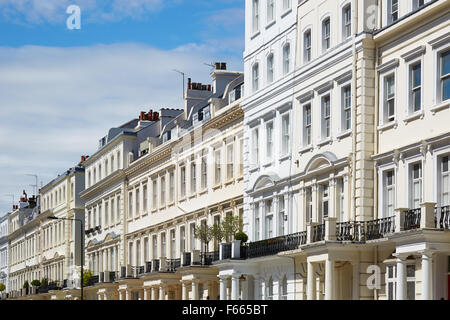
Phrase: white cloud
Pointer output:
(54, 11)
(55, 103)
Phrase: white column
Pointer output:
(223, 287)
(401, 278)
(311, 284)
(235, 287)
(184, 292)
(153, 293)
(427, 275)
(162, 292)
(194, 288)
(355, 289)
(329, 279)
(245, 284)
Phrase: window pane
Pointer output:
(416, 75)
(445, 63)
(411, 290)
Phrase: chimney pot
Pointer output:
(217, 66)
(223, 66)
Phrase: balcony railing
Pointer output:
(412, 219)
(187, 260)
(227, 251)
(173, 264)
(207, 258)
(112, 276)
(273, 246)
(318, 233)
(442, 217)
(376, 229)
(123, 272)
(148, 267)
(156, 264)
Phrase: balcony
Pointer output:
(207, 258)
(442, 217)
(273, 246)
(318, 232)
(360, 231)
(148, 267)
(187, 259)
(412, 219)
(173, 265)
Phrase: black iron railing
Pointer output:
(102, 277)
(93, 281)
(140, 270)
(226, 251)
(157, 264)
(112, 276)
(123, 272)
(187, 259)
(443, 220)
(318, 232)
(273, 246)
(376, 229)
(65, 283)
(412, 219)
(148, 267)
(207, 258)
(173, 264)
(345, 231)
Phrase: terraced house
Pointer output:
(44, 242)
(188, 176)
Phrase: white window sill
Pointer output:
(344, 134)
(285, 157)
(217, 186)
(414, 116)
(154, 210)
(387, 125)
(163, 207)
(254, 169)
(203, 191)
(269, 24)
(306, 149)
(240, 178)
(171, 204)
(255, 34)
(193, 195)
(182, 199)
(324, 142)
(268, 164)
(286, 12)
(440, 106)
(230, 181)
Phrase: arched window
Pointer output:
(255, 76)
(270, 68)
(346, 22)
(286, 58)
(307, 46)
(270, 289)
(326, 34)
(284, 288)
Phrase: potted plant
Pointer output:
(242, 236)
(26, 285)
(87, 276)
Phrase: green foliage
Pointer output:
(87, 276)
(2, 287)
(44, 282)
(204, 233)
(241, 236)
(36, 283)
(26, 285)
(218, 232)
(231, 225)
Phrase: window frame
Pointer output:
(307, 46)
(326, 34)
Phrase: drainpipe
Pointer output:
(375, 291)
(355, 29)
(375, 137)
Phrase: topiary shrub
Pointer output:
(44, 283)
(241, 236)
(87, 276)
(36, 283)
(2, 287)
(26, 285)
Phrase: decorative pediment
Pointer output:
(320, 161)
(265, 181)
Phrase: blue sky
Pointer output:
(61, 90)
